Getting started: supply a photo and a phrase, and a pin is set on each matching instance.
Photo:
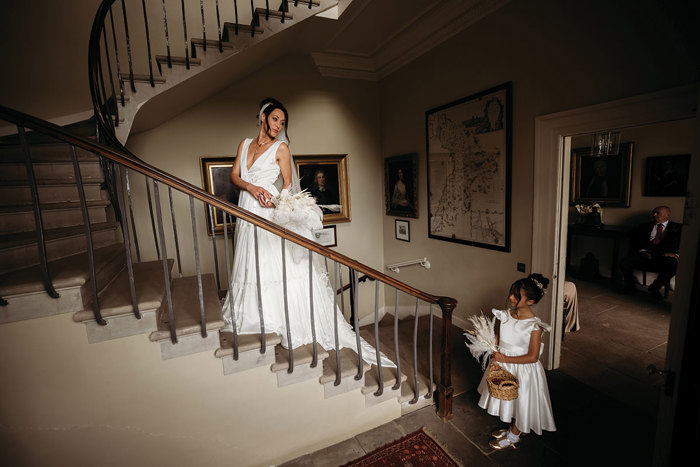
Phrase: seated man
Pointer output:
(654, 247)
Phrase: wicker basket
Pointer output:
(502, 384)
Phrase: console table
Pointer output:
(617, 233)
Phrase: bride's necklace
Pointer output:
(259, 147)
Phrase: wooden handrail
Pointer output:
(125, 158)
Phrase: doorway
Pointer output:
(553, 142)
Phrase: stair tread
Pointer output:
(407, 392)
(54, 181)
(115, 300)
(372, 379)
(302, 354)
(71, 271)
(12, 240)
(185, 300)
(213, 43)
(177, 60)
(142, 78)
(244, 28)
(276, 14)
(348, 365)
(45, 152)
(24, 207)
(246, 342)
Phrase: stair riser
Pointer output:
(121, 326)
(302, 372)
(39, 305)
(27, 255)
(62, 170)
(54, 218)
(248, 360)
(10, 195)
(42, 152)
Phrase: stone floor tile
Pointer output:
(338, 454)
(377, 437)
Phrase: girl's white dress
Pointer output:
(241, 302)
(532, 410)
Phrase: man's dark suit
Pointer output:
(649, 256)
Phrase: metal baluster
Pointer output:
(167, 36)
(286, 309)
(429, 394)
(41, 243)
(310, 3)
(213, 242)
(177, 244)
(128, 49)
(284, 8)
(267, 10)
(259, 291)
(166, 269)
(342, 293)
(111, 77)
(356, 321)
(335, 323)
(148, 44)
(3, 302)
(104, 105)
(218, 27)
(131, 215)
(228, 286)
(204, 29)
(380, 389)
(314, 361)
(235, 9)
(397, 385)
(116, 57)
(202, 316)
(127, 242)
(255, 21)
(187, 44)
(88, 236)
(153, 221)
(415, 357)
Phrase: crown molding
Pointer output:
(436, 23)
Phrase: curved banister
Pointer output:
(125, 158)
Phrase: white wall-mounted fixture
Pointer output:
(395, 266)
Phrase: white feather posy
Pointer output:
(482, 340)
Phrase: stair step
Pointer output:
(20, 217)
(14, 192)
(372, 379)
(163, 60)
(275, 14)
(27, 299)
(185, 300)
(19, 250)
(47, 170)
(246, 343)
(348, 366)
(85, 129)
(407, 395)
(211, 43)
(230, 31)
(302, 355)
(45, 152)
(142, 78)
(314, 3)
(115, 299)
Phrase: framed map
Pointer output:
(469, 146)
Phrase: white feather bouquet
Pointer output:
(482, 339)
(299, 213)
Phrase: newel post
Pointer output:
(445, 389)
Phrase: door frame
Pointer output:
(550, 214)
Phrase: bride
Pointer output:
(262, 170)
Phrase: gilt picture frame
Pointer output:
(215, 172)
(605, 180)
(326, 178)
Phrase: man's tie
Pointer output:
(659, 231)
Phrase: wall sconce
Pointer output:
(606, 143)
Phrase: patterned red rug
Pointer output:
(418, 449)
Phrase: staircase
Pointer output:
(99, 278)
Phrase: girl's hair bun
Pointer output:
(540, 281)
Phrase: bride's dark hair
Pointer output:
(275, 104)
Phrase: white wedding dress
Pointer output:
(241, 302)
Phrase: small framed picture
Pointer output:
(402, 230)
(401, 185)
(667, 175)
(326, 236)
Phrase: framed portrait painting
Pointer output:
(325, 177)
(469, 146)
(667, 175)
(401, 185)
(601, 179)
(215, 180)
